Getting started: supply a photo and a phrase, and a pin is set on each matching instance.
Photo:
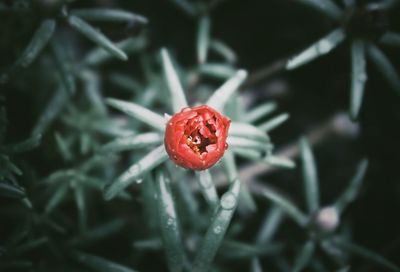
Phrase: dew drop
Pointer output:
(226, 146)
(217, 230)
(228, 201)
(186, 109)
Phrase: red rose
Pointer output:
(195, 138)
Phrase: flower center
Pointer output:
(200, 134)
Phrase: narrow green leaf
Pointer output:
(310, 176)
(247, 203)
(251, 154)
(170, 229)
(30, 246)
(384, 66)
(358, 77)
(216, 231)
(108, 15)
(354, 187)
(248, 131)
(239, 142)
(149, 244)
(174, 85)
(64, 147)
(39, 40)
(150, 207)
(326, 7)
(92, 91)
(80, 206)
(10, 190)
(279, 162)
(221, 96)
(186, 6)
(222, 49)
(208, 188)
(304, 256)
(270, 225)
(51, 111)
(136, 171)
(365, 253)
(132, 142)
(258, 112)
(203, 38)
(235, 249)
(274, 122)
(137, 111)
(391, 38)
(127, 83)
(96, 36)
(26, 145)
(99, 264)
(217, 70)
(287, 206)
(64, 63)
(321, 47)
(57, 197)
(255, 265)
(101, 55)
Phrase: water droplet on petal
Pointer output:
(226, 146)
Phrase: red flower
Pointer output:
(195, 138)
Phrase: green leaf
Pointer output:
(247, 131)
(304, 256)
(96, 36)
(286, 205)
(310, 176)
(92, 91)
(99, 264)
(258, 112)
(174, 85)
(101, 55)
(30, 246)
(170, 229)
(186, 6)
(238, 142)
(39, 40)
(326, 7)
(136, 111)
(255, 265)
(208, 188)
(217, 70)
(279, 162)
(10, 190)
(203, 38)
(321, 47)
(384, 66)
(127, 83)
(270, 225)
(65, 66)
(51, 111)
(216, 231)
(223, 50)
(57, 197)
(108, 15)
(80, 206)
(358, 77)
(26, 145)
(391, 38)
(365, 253)
(136, 171)
(64, 147)
(274, 122)
(221, 96)
(132, 142)
(354, 187)
(235, 249)
(150, 206)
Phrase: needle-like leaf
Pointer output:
(358, 77)
(109, 15)
(203, 38)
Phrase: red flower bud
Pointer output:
(195, 138)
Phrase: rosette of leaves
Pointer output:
(366, 27)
